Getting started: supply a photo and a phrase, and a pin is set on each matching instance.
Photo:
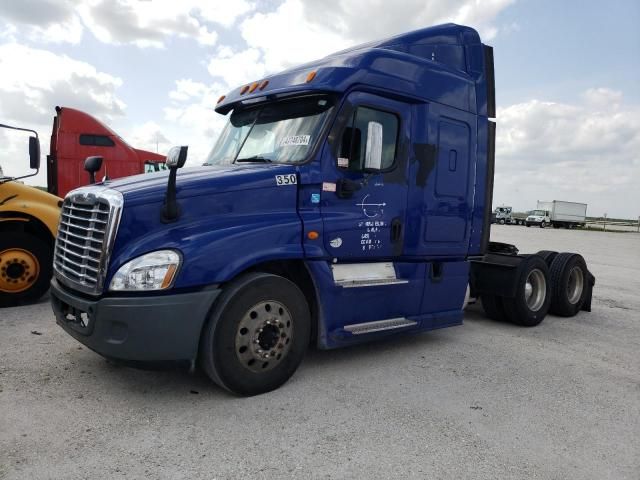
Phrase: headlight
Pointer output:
(152, 271)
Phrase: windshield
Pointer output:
(282, 132)
(539, 213)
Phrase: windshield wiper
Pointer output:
(255, 158)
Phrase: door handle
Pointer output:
(345, 188)
(396, 229)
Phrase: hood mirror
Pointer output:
(92, 165)
(177, 157)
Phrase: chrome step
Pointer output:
(380, 325)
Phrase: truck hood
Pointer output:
(191, 182)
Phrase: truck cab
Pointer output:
(345, 200)
(77, 135)
(502, 215)
(538, 218)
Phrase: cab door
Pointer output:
(364, 210)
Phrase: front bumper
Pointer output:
(139, 329)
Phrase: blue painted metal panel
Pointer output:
(230, 220)
(359, 227)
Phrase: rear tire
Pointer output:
(569, 277)
(26, 267)
(548, 256)
(256, 335)
(533, 293)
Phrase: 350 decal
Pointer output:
(290, 179)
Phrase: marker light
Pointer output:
(264, 84)
(253, 87)
(244, 89)
(221, 98)
(313, 235)
(311, 76)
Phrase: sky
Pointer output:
(567, 77)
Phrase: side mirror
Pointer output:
(373, 152)
(177, 157)
(34, 153)
(92, 165)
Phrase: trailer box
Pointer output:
(565, 214)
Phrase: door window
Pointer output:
(352, 152)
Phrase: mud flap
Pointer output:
(591, 281)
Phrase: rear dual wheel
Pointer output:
(533, 295)
(257, 334)
(569, 277)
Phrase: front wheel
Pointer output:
(543, 224)
(257, 334)
(25, 268)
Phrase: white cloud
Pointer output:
(149, 136)
(43, 20)
(145, 23)
(365, 21)
(27, 94)
(191, 117)
(587, 152)
(299, 31)
(237, 68)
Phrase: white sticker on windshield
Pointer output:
(295, 140)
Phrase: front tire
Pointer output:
(26, 267)
(256, 335)
(543, 224)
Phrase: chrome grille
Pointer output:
(88, 223)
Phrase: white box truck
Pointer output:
(558, 213)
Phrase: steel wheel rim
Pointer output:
(535, 289)
(19, 270)
(575, 285)
(264, 336)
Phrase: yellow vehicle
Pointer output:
(28, 225)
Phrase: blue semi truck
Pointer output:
(346, 200)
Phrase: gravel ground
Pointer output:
(485, 400)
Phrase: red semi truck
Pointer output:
(77, 135)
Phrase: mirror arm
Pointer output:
(11, 179)
(2, 125)
(170, 210)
